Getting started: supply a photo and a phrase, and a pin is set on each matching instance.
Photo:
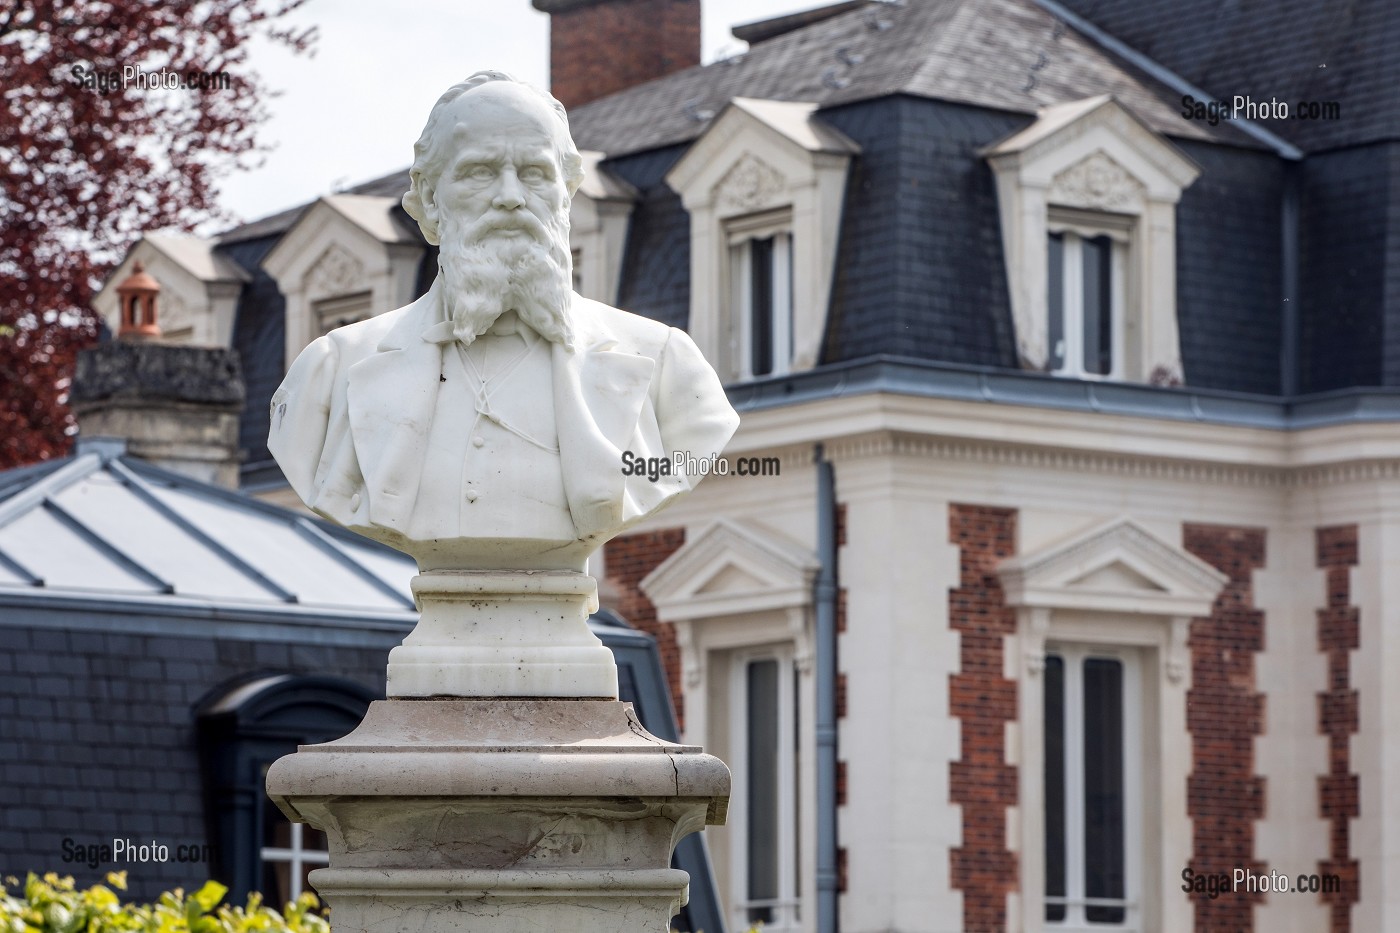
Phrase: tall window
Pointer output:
(760, 263)
(1085, 302)
(1091, 781)
(765, 770)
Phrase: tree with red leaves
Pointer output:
(116, 117)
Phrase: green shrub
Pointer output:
(52, 904)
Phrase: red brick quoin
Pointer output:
(629, 559)
(1223, 714)
(982, 783)
(1338, 633)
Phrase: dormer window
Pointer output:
(760, 274)
(764, 187)
(1088, 197)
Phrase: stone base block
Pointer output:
(501, 815)
(580, 901)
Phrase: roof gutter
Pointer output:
(1280, 146)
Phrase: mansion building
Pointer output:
(1071, 590)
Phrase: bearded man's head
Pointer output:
(491, 182)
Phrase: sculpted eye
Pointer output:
(532, 173)
(477, 172)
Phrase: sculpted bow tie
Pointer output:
(505, 325)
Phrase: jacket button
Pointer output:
(478, 441)
(355, 502)
(471, 495)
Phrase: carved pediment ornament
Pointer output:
(335, 273)
(751, 184)
(1097, 183)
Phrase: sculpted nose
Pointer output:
(509, 194)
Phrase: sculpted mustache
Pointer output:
(501, 221)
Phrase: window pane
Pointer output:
(1056, 296)
(1054, 785)
(1098, 305)
(763, 781)
(761, 306)
(1103, 787)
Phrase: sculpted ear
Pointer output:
(428, 195)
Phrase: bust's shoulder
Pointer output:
(633, 332)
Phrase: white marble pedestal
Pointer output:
(510, 814)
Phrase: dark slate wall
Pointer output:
(656, 263)
(1229, 257)
(920, 268)
(1346, 217)
(97, 740)
(259, 337)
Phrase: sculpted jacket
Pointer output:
(350, 421)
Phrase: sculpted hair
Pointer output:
(429, 159)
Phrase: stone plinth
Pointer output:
(501, 815)
(503, 634)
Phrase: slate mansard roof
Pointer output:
(923, 87)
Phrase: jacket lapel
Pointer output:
(390, 397)
(598, 397)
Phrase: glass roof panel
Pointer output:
(277, 550)
(64, 557)
(108, 507)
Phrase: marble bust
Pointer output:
(484, 425)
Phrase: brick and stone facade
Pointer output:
(1224, 714)
(1339, 794)
(983, 784)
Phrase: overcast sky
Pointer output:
(352, 113)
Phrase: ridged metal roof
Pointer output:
(107, 525)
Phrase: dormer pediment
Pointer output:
(754, 152)
(1093, 146)
(729, 569)
(347, 257)
(360, 226)
(1118, 566)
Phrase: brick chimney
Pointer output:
(175, 405)
(599, 47)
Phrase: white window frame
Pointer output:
(296, 856)
(1134, 726)
(1076, 227)
(742, 232)
(787, 906)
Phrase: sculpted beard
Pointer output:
(483, 276)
